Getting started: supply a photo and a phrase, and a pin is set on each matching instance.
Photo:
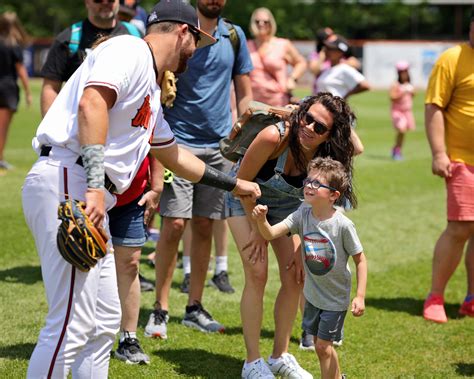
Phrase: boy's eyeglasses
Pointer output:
(316, 184)
(318, 127)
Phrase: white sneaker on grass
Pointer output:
(256, 370)
(156, 325)
(287, 367)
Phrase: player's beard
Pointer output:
(208, 12)
(184, 56)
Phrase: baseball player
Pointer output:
(91, 143)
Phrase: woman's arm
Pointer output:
(23, 75)
(295, 59)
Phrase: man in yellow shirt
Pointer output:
(449, 122)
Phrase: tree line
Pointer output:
(296, 19)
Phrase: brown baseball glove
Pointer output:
(79, 241)
(168, 89)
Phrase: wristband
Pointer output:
(93, 160)
(217, 179)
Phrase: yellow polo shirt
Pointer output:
(451, 87)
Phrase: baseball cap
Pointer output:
(338, 42)
(402, 65)
(181, 12)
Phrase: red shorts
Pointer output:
(460, 189)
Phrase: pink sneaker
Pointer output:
(467, 308)
(433, 309)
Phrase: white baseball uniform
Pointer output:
(84, 310)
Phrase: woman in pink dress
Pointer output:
(401, 95)
(272, 82)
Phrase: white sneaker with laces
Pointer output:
(287, 367)
(256, 370)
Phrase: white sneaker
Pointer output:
(156, 325)
(256, 369)
(287, 367)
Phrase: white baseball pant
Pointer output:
(84, 309)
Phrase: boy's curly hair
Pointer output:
(333, 171)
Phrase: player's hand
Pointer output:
(150, 200)
(29, 100)
(358, 306)
(259, 212)
(290, 84)
(95, 205)
(441, 165)
(256, 248)
(246, 188)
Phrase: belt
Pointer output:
(109, 186)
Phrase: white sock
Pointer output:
(251, 363)
(221, 264)
(125, 334)
(186, 264)
(273, 360)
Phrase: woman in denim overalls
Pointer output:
(277, 160)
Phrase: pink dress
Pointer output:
(402, 108)
(269, 75)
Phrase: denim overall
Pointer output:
(281, 198)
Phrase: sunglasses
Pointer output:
(195, 33)
(264, 22)
(316, 184)
(318, 127)
(101, 1)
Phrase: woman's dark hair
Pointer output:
(338, 145)
(400, 77)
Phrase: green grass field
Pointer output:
(400, 216)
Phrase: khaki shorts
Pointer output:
(183, 199)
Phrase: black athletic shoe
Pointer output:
(130, 352)
(221, 282)
(145, 284)
(184, 287)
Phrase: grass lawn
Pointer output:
(400, 216)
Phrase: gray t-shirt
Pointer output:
(325, 247)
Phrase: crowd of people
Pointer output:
(105, 138)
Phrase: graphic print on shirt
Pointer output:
(319, 253)
(142, 118)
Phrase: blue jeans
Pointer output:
(126, 224)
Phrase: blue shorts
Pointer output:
(326, 325)
(126, 224)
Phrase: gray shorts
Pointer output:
(326, 325)
(183, 199)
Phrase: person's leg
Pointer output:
(286, 304)
(5, 120)
(127, 260)
(166, 254)
(200, 254)
(187, 242)
(328, 359)
(93, 360)
(447, 254)
(220, 279)
(251, 303)
(399, 139)
(469, 262)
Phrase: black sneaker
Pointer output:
(184, 287)
(130, 352)
(221, 282)
(146, 285)
(198, 318)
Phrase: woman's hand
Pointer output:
(150, 200)
(297, 261)
(256, 248)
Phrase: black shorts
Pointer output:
(9, 94)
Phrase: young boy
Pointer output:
(328, 239)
